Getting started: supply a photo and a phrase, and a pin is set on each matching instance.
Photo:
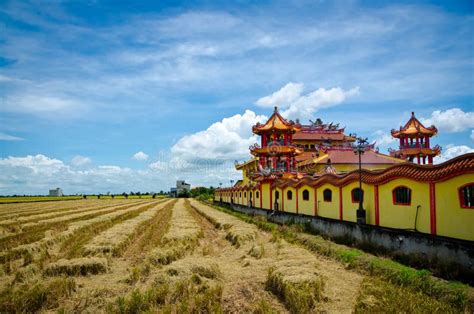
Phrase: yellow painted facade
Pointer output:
(451, 220)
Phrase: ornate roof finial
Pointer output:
(276, 109)
(413, 114)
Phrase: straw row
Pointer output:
(181, 237)
(54, 214)
(293, 277)
(69, 217)
(77, 266)
(117, 237)
(72, 229)
(238, 231)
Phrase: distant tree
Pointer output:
(113, 196)
(161, 192)
(154, 195)
(84, 196)
(98, 196)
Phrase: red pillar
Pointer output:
(427, 141)
(430, 159)
(418, 158)
(417, 142)
(288, 163)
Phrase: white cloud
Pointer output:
(282, 97)
(451, 120)
(228, 139)
(80, 160)
(452, 151)
(383, 139)
(7, 137)
(298, 106)
(140, 156)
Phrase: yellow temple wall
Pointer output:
(306, 207)
(441, 198)
(349, 208)
(451, 219)
(403, 216)
(328, 209)
(290, 205)
(266, 195)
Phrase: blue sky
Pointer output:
(101, 96)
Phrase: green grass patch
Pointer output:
(29, 297)
(191, 295)
(380, 296)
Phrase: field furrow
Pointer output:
(113, 240)
(181, 236)
(238, 231)
(35, 231)
(71, 235)
(53, 214)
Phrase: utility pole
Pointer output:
(359, 150)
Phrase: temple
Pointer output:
(415, 142)
(318, 170)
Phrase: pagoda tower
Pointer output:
(415, 142)
(276, 154)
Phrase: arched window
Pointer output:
(240, 194)
(357, 195)
(327, 195)
(245, 194)
(401, 195)
(305, 195)
(251, 195)
(466, 196)
(277, 195)
(289, 195)
(257, 194)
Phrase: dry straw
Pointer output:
(51, 238)
(293, 277)
(114, 239)
(181, 237)
(78, 266)
(238, 231)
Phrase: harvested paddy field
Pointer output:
(180, 255)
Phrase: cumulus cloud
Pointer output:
(383, 139)
(452, 151)
(80, 160)
(8, 137)
(224, 140)
(38, 164)
(295, 105)
(282, 97)
(140, 156)
(452, 120)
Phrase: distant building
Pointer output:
(56, 192)
(181, 188)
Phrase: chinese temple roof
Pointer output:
(414, 127)
(276, 123)
(339, 155)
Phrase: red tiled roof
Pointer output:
(318, 136)
(347, 156)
